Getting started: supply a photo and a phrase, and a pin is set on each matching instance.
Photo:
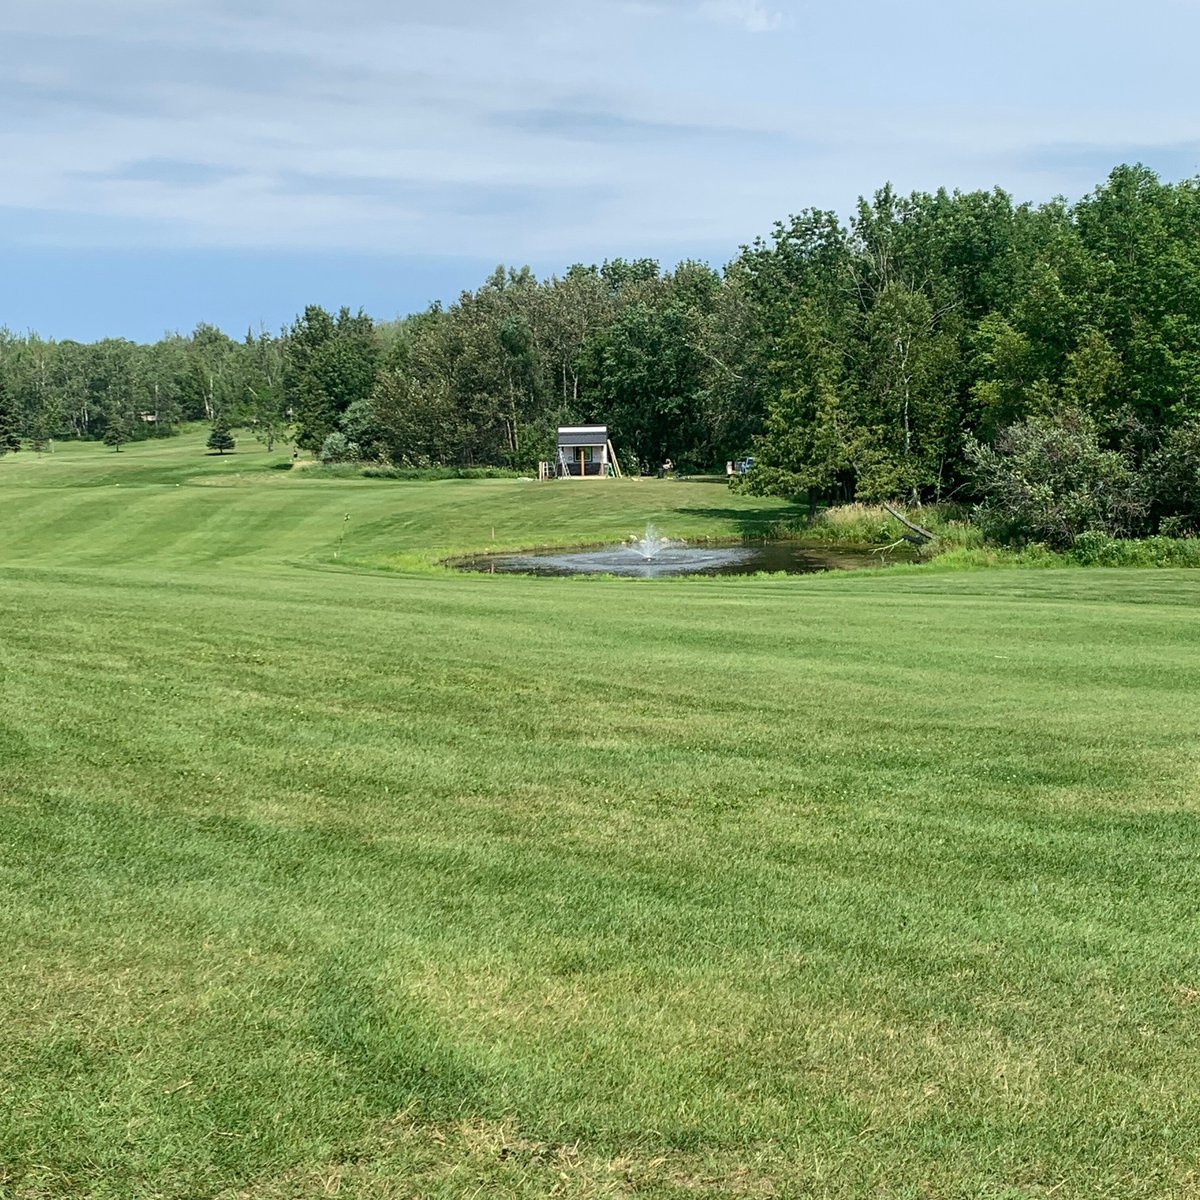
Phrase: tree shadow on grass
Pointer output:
(391, 1052)
(754, 522)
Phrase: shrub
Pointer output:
(388, 472)
(1095, 549)
(1047, 479)
(1177, 480)
(338, 448)
(1178, 526)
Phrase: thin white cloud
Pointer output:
(537, 130)
(752, 15)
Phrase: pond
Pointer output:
(664, 559)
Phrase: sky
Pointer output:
(166, 162)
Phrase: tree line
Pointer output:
(907, 353)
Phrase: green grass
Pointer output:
(873, 525)
(325, 872)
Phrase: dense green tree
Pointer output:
(260, 387)
(170, 390)
(329, 363)
(412, 416)
(71, 382)
(575, 308)
(10, 432)
(1144, 238)
(499, 377)
(736, 372)
(1175, 472)
(116, 434)
(647, 367)
(211, 384)
(220, 438)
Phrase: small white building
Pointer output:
(584, 450)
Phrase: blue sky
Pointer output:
(166, 162)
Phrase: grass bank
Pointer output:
(322, 881)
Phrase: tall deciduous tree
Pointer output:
(260, 375)
(329, 364)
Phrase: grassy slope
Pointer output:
(319, 880)
(73, 508)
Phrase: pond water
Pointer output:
(677, 558)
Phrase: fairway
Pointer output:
(327, 871)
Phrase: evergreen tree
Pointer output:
(220, 439)
(10, 433)
(115, 435)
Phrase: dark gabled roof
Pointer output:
(582, 435)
